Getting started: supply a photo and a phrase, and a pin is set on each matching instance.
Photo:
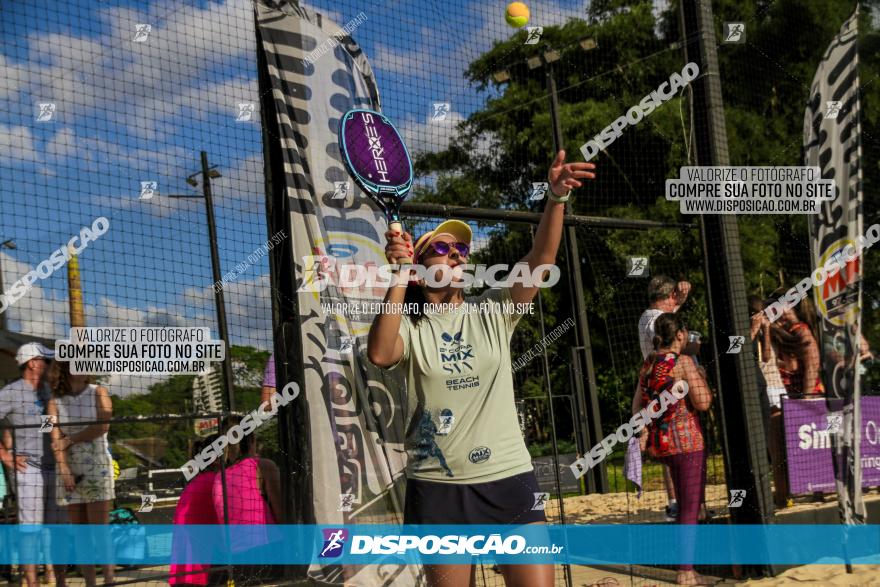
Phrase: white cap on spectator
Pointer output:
(32, 350)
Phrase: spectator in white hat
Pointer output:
(31, 462)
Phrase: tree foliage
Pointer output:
(508, 144)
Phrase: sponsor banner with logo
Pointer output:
(808, 444)
(832, 141)
(355, 419)
(207, 426)
(410, 546)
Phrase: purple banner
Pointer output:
(808, 430)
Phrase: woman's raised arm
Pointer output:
(562, 177)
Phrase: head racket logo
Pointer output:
(334, 542)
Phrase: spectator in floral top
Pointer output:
(675, 438)
(82, 453)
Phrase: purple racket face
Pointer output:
(375, 153)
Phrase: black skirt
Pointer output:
(506, 501)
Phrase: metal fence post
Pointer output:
(745, 450)
(588, 424)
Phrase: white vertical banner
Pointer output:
(832, 141)
(356, 413)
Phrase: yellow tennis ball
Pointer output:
(517, 14)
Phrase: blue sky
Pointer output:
(129, 112)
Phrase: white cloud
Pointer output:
(62, 145)
(415, 63)
(243, 183)
(11, 79)
(43, 310)
(139, 84)
(16, 144)
(430, 135)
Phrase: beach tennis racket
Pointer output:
(377, 159)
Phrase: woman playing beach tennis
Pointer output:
(468, 463)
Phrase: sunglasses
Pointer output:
(442, 248)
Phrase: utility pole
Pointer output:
(207, 172)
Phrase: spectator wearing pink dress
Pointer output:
(252, 496)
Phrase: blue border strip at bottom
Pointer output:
(372, 544)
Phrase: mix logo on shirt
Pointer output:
(479, 455)
(456, 356)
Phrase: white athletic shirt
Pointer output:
(646, 330)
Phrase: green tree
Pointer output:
(173, 396)
(503, 147)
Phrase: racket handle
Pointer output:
(396, 226)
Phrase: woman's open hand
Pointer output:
(67, 480)
(564, 176)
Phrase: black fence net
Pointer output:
(120, 123)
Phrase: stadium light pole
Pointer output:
(9, 244)
(208, 172)
(588, 424)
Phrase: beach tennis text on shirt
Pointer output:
(168, 350)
